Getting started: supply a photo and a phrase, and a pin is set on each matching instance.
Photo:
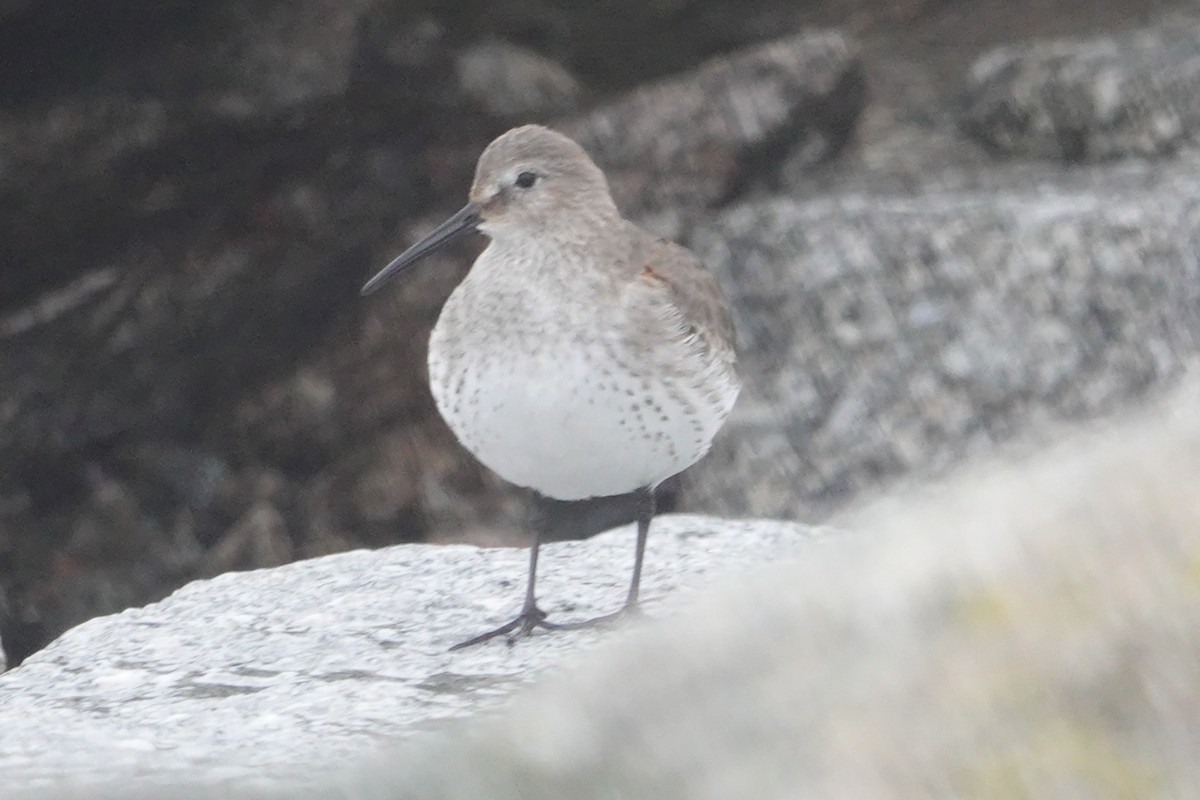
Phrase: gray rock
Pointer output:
(516, 83)
(1131, 94)
(282, 56)
(283, 675)
(697, 139)
(9, 7)
(883, 336)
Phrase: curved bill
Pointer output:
(462, 222)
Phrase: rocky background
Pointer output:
(944, 224)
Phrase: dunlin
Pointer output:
(581, 356)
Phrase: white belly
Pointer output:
(571, 427)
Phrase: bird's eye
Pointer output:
(525, 180)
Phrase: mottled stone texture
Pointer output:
(1132, 94)
(699, 138)
(890, 335)
(284, 676)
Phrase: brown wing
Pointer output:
(695, 294)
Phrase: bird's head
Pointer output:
(530, 181)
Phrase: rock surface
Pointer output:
(286, 674)
(693, 141)
(1136, 94)
(891, 335)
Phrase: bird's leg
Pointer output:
(645, 513)
(531, 616)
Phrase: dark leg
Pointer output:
(645, 513)
(531, 616)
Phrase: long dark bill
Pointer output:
(462, 222)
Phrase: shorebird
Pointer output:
(581, 356)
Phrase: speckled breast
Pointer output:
(565, 414)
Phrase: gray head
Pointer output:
(527, 180)
(531, 176)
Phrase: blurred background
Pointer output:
(945, 225)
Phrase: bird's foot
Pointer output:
(530, 618)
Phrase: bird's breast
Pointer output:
(564, 411)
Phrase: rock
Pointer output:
(885, 336)
(1130, 94)
(515, 83)
(696, 139)
(282, 56)
(260, 539)
(284, 674)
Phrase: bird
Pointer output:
(581, 356)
